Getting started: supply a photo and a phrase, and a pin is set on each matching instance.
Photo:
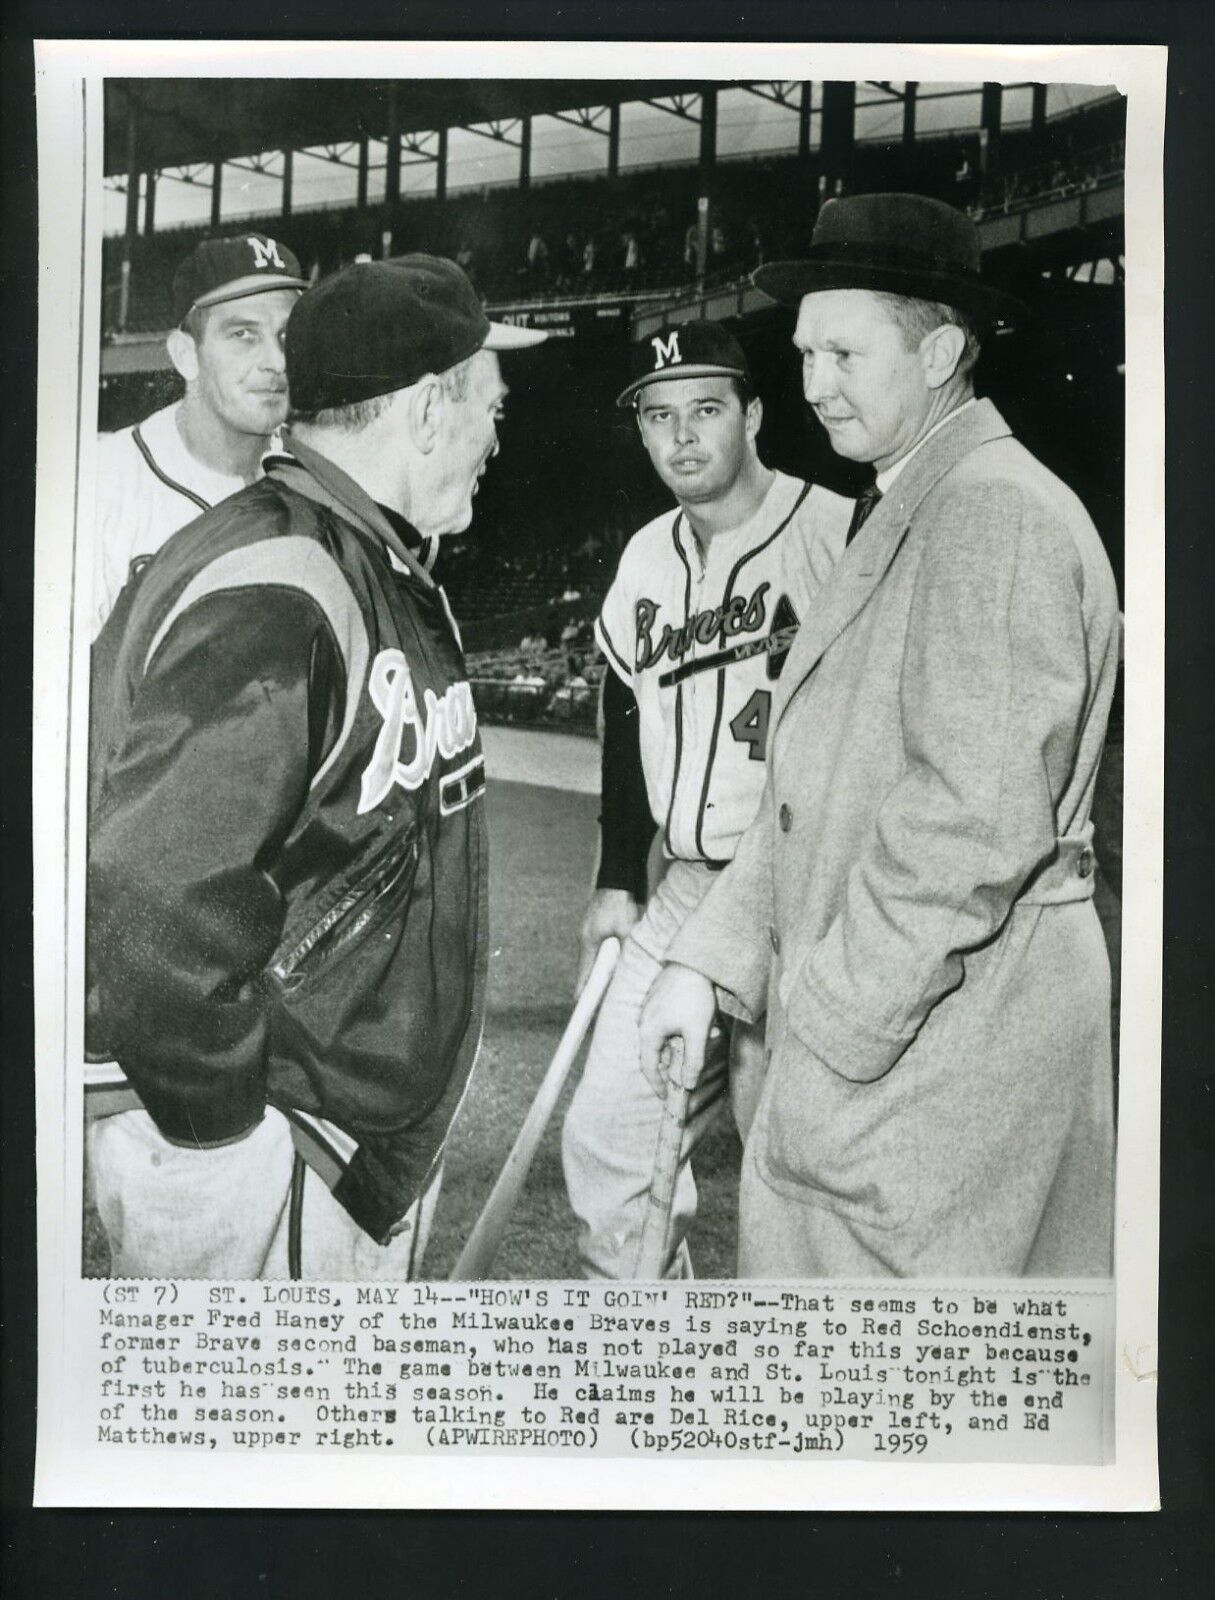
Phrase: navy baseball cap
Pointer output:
(229, 269)
(687, 350)
(377, 326)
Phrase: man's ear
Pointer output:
(755, 417)
(941, 352)
(424, 411)
(183, 353)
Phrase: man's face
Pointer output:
(869, 391)
(697, 433)
(242, 377)
(468, 441)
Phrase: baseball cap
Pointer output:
(686, 350)
(377, 326)
(229, 269)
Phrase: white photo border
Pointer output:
(70, 78)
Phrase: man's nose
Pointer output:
(817, 382)
(685, 430)
(273, 357)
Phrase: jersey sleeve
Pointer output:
(210, 774)
(822, 534)
(614, 626)
(626, 827)
(111, 532)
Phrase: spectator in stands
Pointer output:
(691, 248)
(588, 256)
(231, 300)
(571, 256)
(537, 259)
(552, 630)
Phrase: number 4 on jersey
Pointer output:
(750, 726)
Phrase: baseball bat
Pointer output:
(482, 1244)
(652, 1252)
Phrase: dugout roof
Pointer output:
(187, 121)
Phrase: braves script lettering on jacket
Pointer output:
(704, 736)
(445, 727)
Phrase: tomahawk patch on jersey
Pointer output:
(701, 640)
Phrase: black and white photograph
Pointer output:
(589, 723)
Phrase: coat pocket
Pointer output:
(379, 894)
(850, 1147)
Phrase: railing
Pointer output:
(572, 706)
(1052, 180)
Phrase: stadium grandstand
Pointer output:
(599, 209)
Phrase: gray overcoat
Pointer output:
(913, 903)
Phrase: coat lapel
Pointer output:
(865, 562)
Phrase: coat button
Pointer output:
(785, 817)
(1085, 863)
(775, 938)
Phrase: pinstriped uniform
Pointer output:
(702, 738)
(148, 486)
(671, 616)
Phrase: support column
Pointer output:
(288, 175)
(614, 140)
(708, 168)
(132, 218)
(361, 191)
(909, 91)
(441, 167)
(149, 202)
(1037, 115)
(839, 133)
(805, 105)
(392, 172)
(989, 123)
(525, 152)
(217, 189)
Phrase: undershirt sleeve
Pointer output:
(626, 827)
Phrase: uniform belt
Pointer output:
(1069, 874)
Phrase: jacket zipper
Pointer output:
(347, 917)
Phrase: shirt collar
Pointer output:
(333, 486)
(419, 546)
(886, 478)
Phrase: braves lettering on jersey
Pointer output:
(148, 486)
(701, 639)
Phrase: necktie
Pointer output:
(865, 503)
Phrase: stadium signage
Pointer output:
(570, 321)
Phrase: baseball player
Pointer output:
(287, 867)
(695, 627)
(231, 299)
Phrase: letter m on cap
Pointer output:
(265, 254)
(666, 351)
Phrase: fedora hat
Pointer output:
(898, 243)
